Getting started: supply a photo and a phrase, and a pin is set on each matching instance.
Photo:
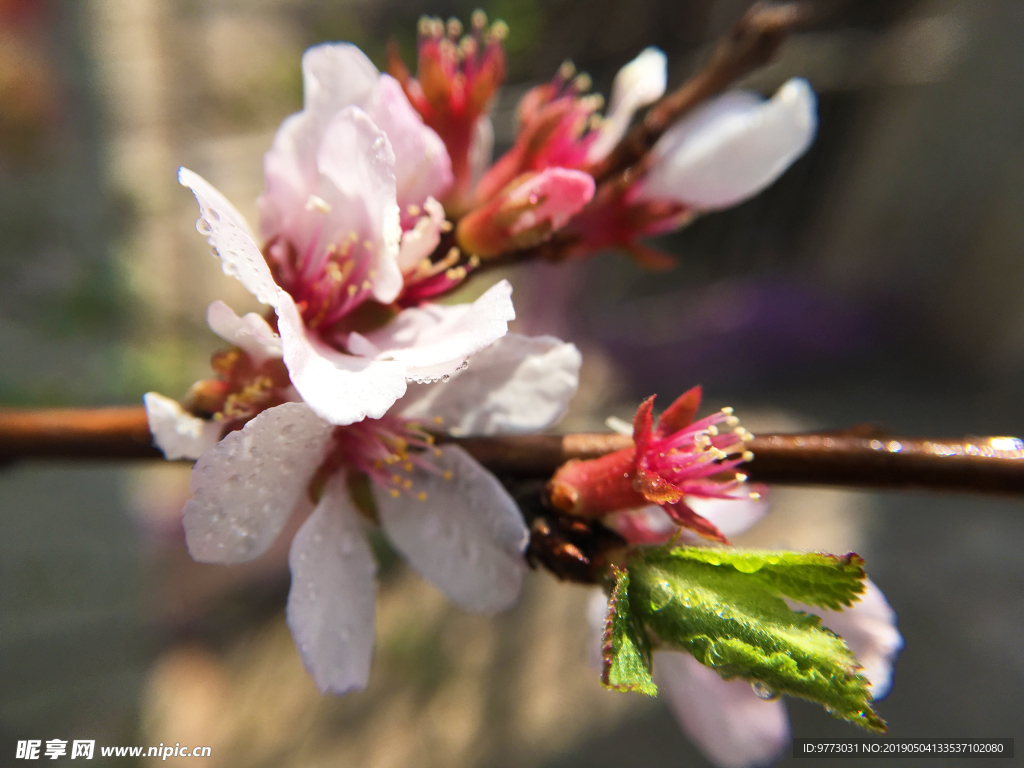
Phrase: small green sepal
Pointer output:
(625, 648)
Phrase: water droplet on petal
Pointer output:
(763, 691)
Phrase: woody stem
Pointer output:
(851, 459)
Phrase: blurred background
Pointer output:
(879, 280)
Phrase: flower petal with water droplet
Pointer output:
(467, 537)
(245, 487)
(331, 600)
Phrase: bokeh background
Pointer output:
(880, 280)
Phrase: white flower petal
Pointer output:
(434, 340)
(422, 166)
(231, 238)
(639, 83)
(179, 434)
(517, 384)
(252, 333)
(869, 628)
(334, 76)
(732, 148)
(420, 241)
(244, 488)
(357, 158)
(724, 718)
(340, 388)
(481, 148)
(331, 600)
(730, 516)
(467, 537)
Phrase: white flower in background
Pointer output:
(728, 720)
(730, 148)
(448, 516)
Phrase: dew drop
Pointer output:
(744, 565)
(661, 595)
(763, 691)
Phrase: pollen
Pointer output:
(438, 420)
(437, 452)
(396, 479)
(395, 493)
(755, 496)
(407, 466)
(448, 474)
(740, 477)
(421, 496)
(747, 456)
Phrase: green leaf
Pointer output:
(736, 623)
(826, 581)
(626, 650)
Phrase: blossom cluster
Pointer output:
(335, 403)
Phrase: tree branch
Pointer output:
(849, 459)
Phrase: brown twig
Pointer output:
(850, 459)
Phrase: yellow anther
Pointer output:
(755, 496)
(740, 477)
(423, 27)
(407, 466)
(314, 203)
(438, 420)
(499, 29)
(712, 430)
(407, 484)
(448, 474)
(447, 226)
(395, 493)
(567, 70)
(728, 410)
(454, 27)
(437, 452)
(378, 464)
(455, 273)
(396, 479)
(366, 285)
(474, 261)
(422, 495)
(414, 210)
(747, 456)
(478, 20)
(747, 437)
(583, 82)
(367, 245)
(352, 290)
(732, 421)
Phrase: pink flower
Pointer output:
(527, 212)
(457, 78)
(336, 257)
(559, 124)
(447, 515)
(671, 463)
